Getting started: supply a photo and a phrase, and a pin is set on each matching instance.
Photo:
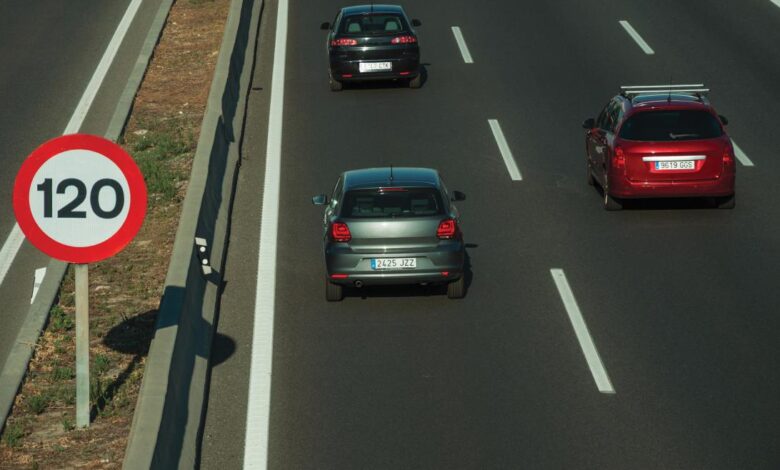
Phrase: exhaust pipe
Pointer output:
(358, 284)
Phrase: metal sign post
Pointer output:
(82, 345)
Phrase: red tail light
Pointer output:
(344, 42)
(448, 228)
(619, 159)
(339, 232)
(404, 40)
(728, 157)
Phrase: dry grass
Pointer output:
(124, 290)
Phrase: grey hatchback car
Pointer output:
(392, 226)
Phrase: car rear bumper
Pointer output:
(349, 70)
(622, 187)
(441, 265)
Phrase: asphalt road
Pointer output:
(49, 50)
(680, 299)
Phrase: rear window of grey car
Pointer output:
(376, 24)
(391, 203)
(671, 125)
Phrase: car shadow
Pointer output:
(676, 203)
(414, 290)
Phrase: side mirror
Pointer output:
(589, 123)
(319, 200)
(325, 26)
(416, 23)
(723, 119)
(458, 196)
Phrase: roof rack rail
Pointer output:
(695, 89)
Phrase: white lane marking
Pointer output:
(636, 37)
(464, 49)
(743, 159)
(15, 239)
(506, 153)
(581, 330)
(259, 403)
(40, 273)
(10, 248)
(776, 2)
(102, 69)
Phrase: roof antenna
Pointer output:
(391, 173)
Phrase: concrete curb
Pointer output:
(15, 368)
(170, 406)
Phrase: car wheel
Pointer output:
(416, 82)
(611, 203)
(336, 85)
(727, 202)
(590, 179)
(333, 292)
(457, 289)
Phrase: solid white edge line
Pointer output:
(464, 50)
(506, 153)
(259, 401)
(15, 239)
(583, 335)
(636, 37)
(77, 119)
(743, 159)
(10, 248)
(40, 273)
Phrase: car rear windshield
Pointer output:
(374, 24)
(671, 125)
(392, 202)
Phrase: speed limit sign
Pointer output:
(79, 198)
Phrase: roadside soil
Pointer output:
(125, 291)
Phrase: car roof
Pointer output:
(367, 9)
(380, 177)
(666, 101)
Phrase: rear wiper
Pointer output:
(680, 136)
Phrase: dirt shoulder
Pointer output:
(125, 290)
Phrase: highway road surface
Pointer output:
(646, 338)
(51, 51)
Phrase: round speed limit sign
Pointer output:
(80, 198)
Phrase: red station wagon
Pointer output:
(660, 141)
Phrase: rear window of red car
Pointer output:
(671, 125)
(372, 25)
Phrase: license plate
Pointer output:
(375, 66)
(393, 263)
(681, 165)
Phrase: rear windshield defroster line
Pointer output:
(671, 125)
(391, 203)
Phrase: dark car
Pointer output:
(373, 42)
(392, 226)
(660, 141)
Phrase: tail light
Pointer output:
(344, 42)
(448, 228)
(728, 157)
(339, 232)
(619, 159)
(404, 40)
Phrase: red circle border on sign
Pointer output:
(86, 254)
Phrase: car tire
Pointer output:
(611, 203)
(416, 82)
(727, 202)
(336, 85)
(590, 179)
(333, 292)
(457, 289)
